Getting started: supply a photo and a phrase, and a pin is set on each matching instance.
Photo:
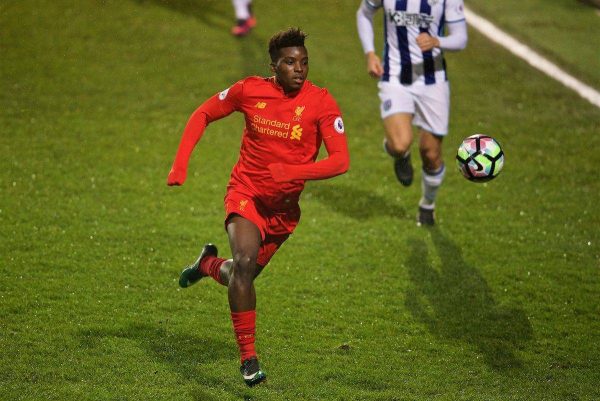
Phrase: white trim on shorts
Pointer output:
(429, 104)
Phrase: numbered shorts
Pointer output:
(275, 226)
(429, 104)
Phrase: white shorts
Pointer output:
(429, 104)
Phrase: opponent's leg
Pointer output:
(245, 19)
(434, 171)
(245, 241)
(398, 138)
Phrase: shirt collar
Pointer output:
(273, 81)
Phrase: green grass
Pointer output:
(566, 31)
(498, 302)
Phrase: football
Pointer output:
(480, 158)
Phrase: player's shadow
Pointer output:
(184, 354)
(354, 202)
(214, 13)
(455, 302)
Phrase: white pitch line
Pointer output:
(534, 59)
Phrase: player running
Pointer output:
(245, 19)
(413, 84)
(287, 119)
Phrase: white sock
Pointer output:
(241, 9)
(430, 183)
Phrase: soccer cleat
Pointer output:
(192, 274)
(243, 27)
(251, 372)
(404, 170)
(251, 22)
(426, 217)
(402, 166)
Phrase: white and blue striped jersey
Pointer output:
(404, 20)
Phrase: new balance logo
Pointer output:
(260, 105)
(296, 132)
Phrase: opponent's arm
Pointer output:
(364, 24)
(455, 40)
(217, 107)
(457, 36)
(336, 163)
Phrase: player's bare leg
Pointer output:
(226, 270)
(430, 147)
(245, 241)
(398, 138)
(208, 264)
(238, 276)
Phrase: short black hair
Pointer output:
(291, 37)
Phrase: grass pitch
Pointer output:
(498, 302)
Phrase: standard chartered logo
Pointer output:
(270, 127)
(277, 128)
(296, 132)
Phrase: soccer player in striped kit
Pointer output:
(287, 119)
(413, 83)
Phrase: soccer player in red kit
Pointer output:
(287, 119)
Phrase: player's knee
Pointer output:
(398, 146)
(432, 158)
(244, 267)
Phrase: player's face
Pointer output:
(291, 68)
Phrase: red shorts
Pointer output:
(275, 226)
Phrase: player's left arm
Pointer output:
(331, 127)
(336, 163)
(457, 37)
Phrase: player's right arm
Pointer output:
(220, 105)
(364, 24)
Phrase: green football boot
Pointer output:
(192, 274)
(251, 372)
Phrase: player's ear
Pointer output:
(273, 67)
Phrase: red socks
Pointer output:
(244, 327)
(211, 266)
(244, 323)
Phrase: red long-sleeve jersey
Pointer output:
(281, 139)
